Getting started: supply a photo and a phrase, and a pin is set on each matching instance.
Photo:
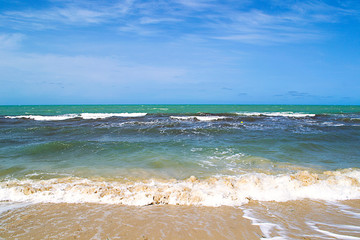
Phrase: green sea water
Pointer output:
(244, 135)
(66, 109)
(140, 143)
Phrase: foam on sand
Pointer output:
(312, 219)
(214, 191)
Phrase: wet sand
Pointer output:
(301, 219)
(99, 221)
(307, 219)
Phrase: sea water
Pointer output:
(191, 155)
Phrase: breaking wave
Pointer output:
(199, 118)
(213, 191)
(276, 114)
(107, 115)
(82, 115)
(45, 118)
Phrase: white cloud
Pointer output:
(294, 21)
(68, 12)
(10, 41)
(47, 18)
(259, 27)
(198, 4)
(138, 29)
(152, 20)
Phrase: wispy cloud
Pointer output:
(10, 41)
(322, 11)
(67, 12)
(246, 22)
(197, 5)
(266, 37)
(151, 20)
(295, 22)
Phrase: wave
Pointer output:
(107, 115)
(198, 118)
(82, 115)
(201, 116)
(332, 124)
(351, 120)
(45, 118)
(276, 114)
(213, 191)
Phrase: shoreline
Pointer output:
(299, 219)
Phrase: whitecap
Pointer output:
(198, 118)
(332, 124)
(107, 115)
(82, 115)
(276, 114)
(45, 118)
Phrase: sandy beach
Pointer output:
(268, 220)
(99, 221)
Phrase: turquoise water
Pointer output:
(66, 109)
(137, 143)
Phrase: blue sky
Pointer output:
(181, 51)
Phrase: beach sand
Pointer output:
(301, 219)
(99, 221)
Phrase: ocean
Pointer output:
(180, 172)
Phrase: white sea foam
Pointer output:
(332, 124)
(198, 118)
(346, 210)
(183, 118)
(82, 115)
(107, 115)
(46, 118)
(276, 114)
(315, 226)
(210, 118)
(265, 227)
(36, 174)
(8, 206)
(215, 191)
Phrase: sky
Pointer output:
(179, 52)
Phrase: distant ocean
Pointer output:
(260, 159)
